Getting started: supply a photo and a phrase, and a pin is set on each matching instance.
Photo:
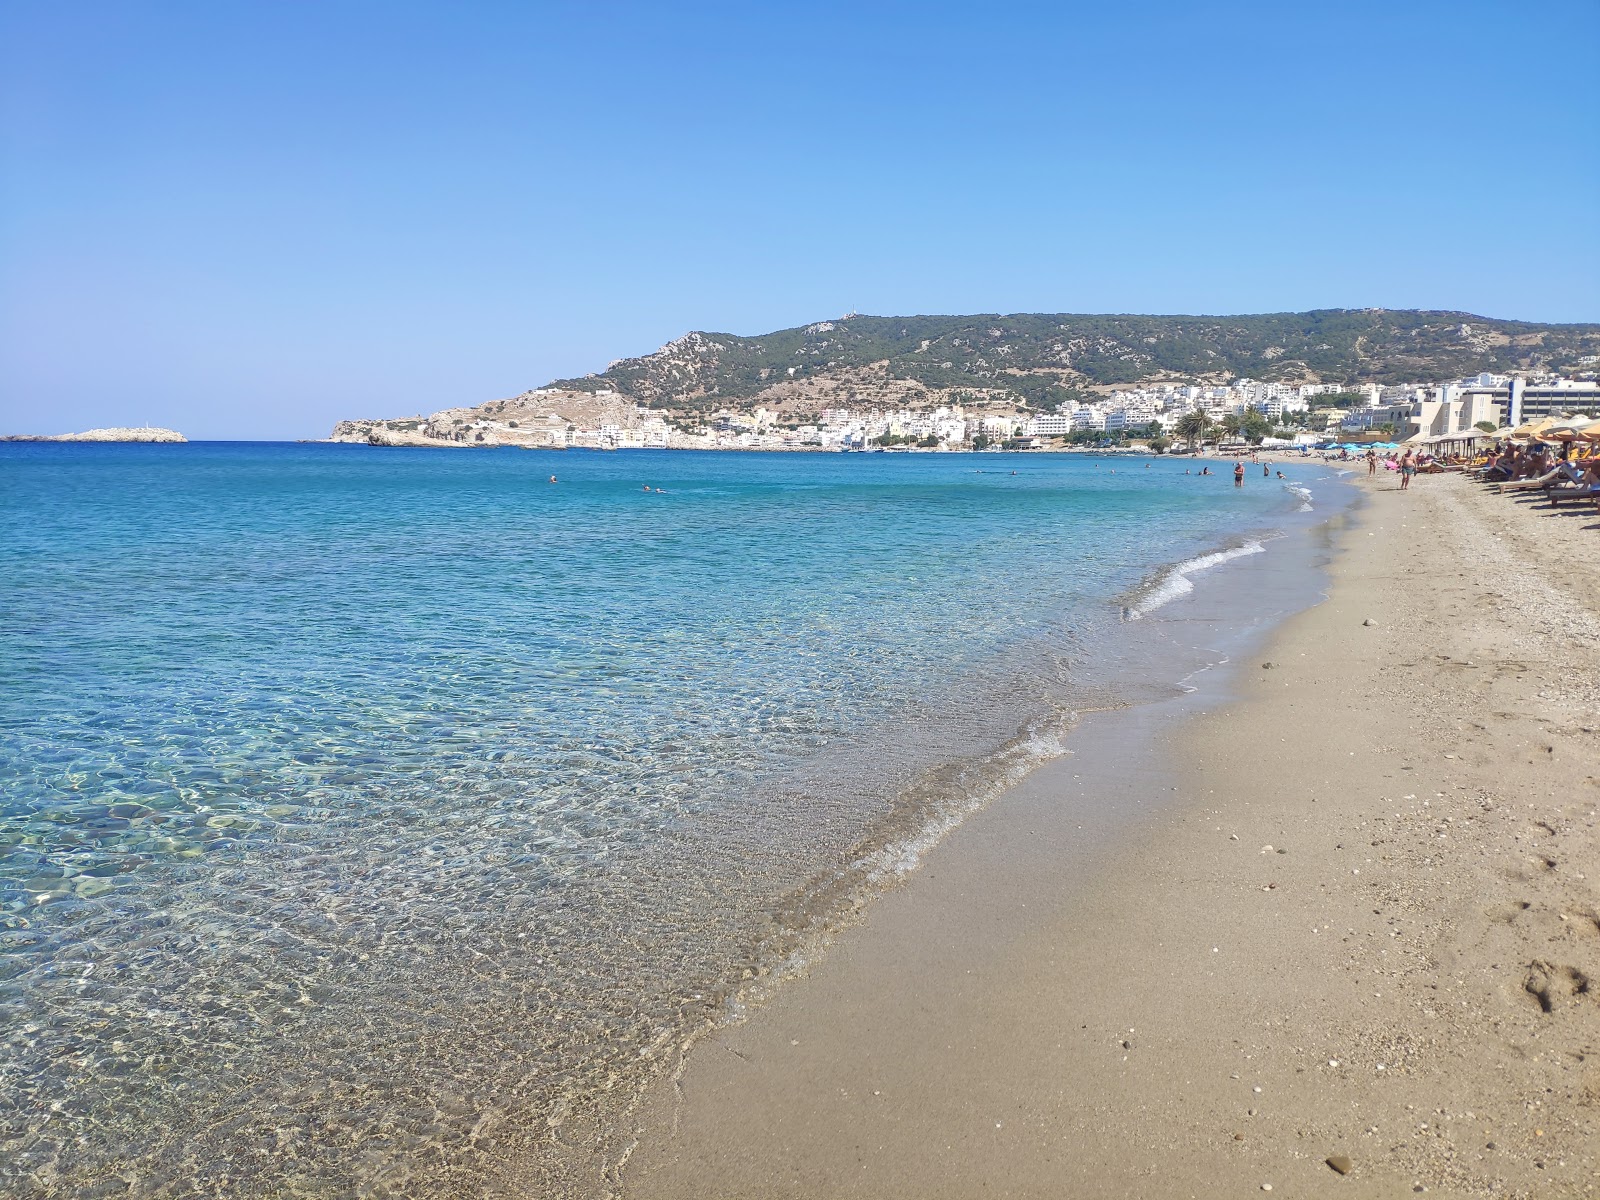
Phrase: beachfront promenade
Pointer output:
(1351, 927)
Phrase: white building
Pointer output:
(1362, 420)
(1048, 425)
(1519, 401)
(1451, 412)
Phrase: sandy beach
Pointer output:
(1337, 935)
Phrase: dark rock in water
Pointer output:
(1340, 1163)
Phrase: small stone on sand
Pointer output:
(1369, 621)
(1339, 1163)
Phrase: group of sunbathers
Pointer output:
(1561, 475)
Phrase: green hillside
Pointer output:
(1045, 358)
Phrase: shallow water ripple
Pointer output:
(373, 819)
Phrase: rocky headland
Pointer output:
(541, 419)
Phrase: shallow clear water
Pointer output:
(366, 816)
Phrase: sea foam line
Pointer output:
(1175, 581)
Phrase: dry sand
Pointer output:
(1354, 912)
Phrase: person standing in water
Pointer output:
(1238, 474)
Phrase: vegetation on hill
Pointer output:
(1047, 360)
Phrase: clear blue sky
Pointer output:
(250, 219)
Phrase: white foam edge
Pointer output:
(1038, 744)
(1176, 581)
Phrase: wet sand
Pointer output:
(1353, 913)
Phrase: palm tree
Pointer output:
(1254, 425)
(1191, 427)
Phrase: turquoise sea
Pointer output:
(372, 821)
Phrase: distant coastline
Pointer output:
(1034, 381)
(142, 433)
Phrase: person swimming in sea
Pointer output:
(552, 479)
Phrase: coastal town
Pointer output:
(1157, 415)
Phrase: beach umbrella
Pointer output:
(1532, 428)
(1590, 432)
(1565, 432)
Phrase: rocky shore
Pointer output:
(543, 419)
(117, 433)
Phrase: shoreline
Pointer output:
(1081, 986)
(1276, 454)
(1151, 672)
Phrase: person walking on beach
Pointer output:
(1408, 468)
(1372, 462)
(1238, 474)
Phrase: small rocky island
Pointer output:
(143, 433)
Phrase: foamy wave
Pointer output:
(1175, 581)
(933, 810)
(1303, 492)
(1006, 769)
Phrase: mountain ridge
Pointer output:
(1046, 359)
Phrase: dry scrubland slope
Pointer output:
(1040, 358)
